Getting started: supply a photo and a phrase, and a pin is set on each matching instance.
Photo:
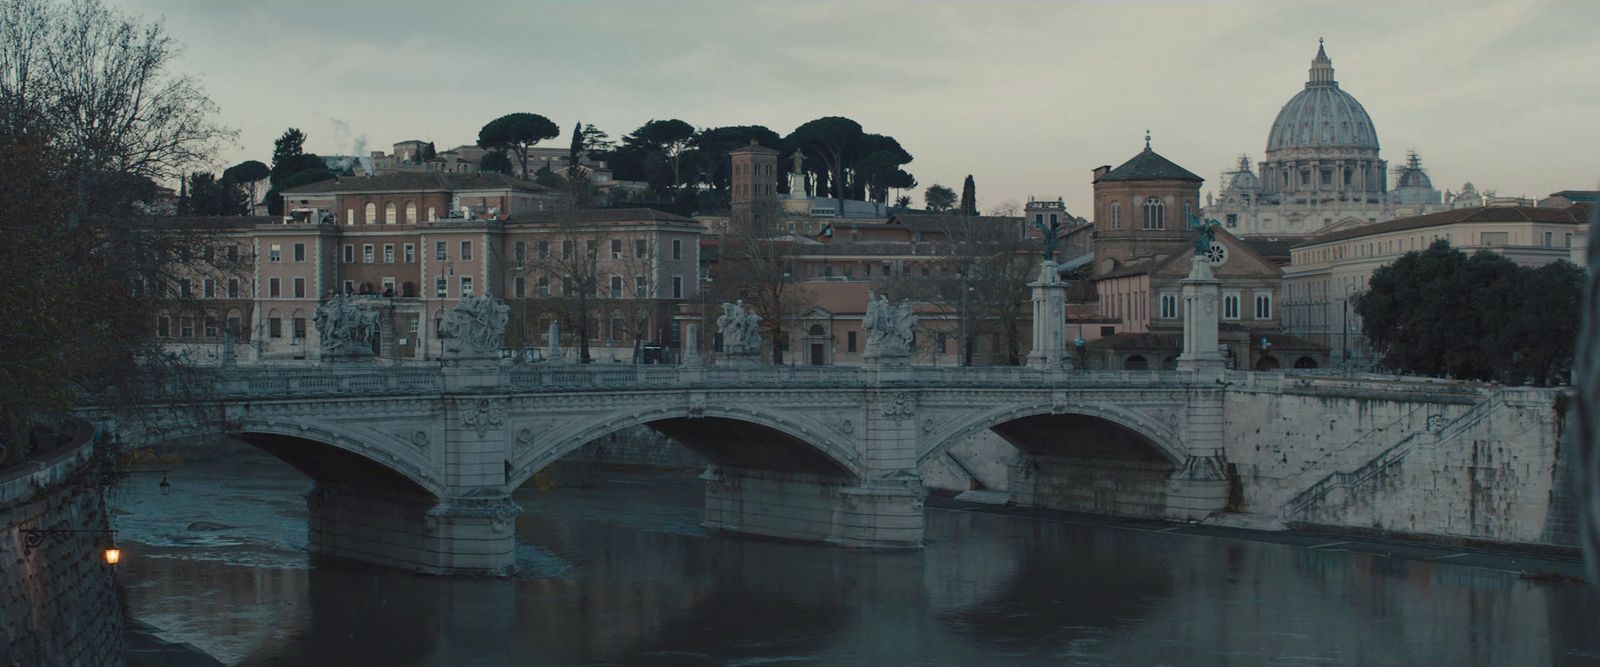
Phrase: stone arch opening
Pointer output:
(1096, 460)
(726, 438)
(320, 459)
(1305, 362)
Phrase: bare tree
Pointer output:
(982, 279)
(90, 119)
(756, 265)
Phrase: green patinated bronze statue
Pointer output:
(1208, 233)
(1050, 238)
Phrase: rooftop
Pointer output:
(1575, 214)
(1149, 165)
(413, 181)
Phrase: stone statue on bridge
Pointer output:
(740, 330)
(346, 329)
(888, 326)
(476, 326)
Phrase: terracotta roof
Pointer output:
(753, 147)
(601, 215)
(1274, 247)
(404, 181)
(939, 222)
(228, 221)
(1130, 270)
(1150, 166)
(1575, 214)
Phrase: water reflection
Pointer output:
(622, 574)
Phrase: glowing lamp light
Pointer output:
(113, 555)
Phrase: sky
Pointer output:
(1027, 97)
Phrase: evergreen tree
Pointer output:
(969, 197)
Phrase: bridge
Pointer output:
(414, 466)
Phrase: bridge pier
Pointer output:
(456, 536)
(814, 508)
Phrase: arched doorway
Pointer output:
(1267, 363)
(1305, 362)
(816, 346)
(1135, 362)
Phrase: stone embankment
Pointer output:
(59, 603)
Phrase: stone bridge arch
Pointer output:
(806, 447)
(1160, 438)
(327, 452)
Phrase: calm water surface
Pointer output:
(620, 573)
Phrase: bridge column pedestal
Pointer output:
(814, 508)
(456, 536)
(1198, 489)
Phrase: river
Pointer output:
(615, 570)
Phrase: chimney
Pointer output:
(1100, 171)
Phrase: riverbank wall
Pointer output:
(59, 603)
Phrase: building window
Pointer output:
(616, 287)
(411, 213)
(544, 287)
(273, 289)
(299, 252)
(1495, 238)
(519, 287)
(677, 248)
(1264, 306)
(1188, 209)
(1169, 306)
(275, 327)
(349, 253)
(638, 248)
(1230, 306)
(466, 251)
(411, 253)
(233, 288)
(349, 287)
(299, 328)
(275, 252)
(389, 217)
(1549, 239)
(1233, 220)
(521, 252)
(1155, 214)
(466, 286)
(432, 214)
(349, 216)
(616, 248)
(440, 253)
(233, 252)
(677, 287)
(544, 249)
(566, 249)
(299, 288)
(371, 213)
(211, 327)
(638, 287)
(850, 341)
(441, 287)
(164, 327)
(388, 253)
(367, 253)
(208, 288)
(1116, 215)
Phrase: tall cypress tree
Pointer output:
(969, 197)
(575, 152)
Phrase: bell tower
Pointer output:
(755, 187)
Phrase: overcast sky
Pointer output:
(1028, 97)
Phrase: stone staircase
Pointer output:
(1348, 482)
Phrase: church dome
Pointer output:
(1242, 179)
(1322, 115)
